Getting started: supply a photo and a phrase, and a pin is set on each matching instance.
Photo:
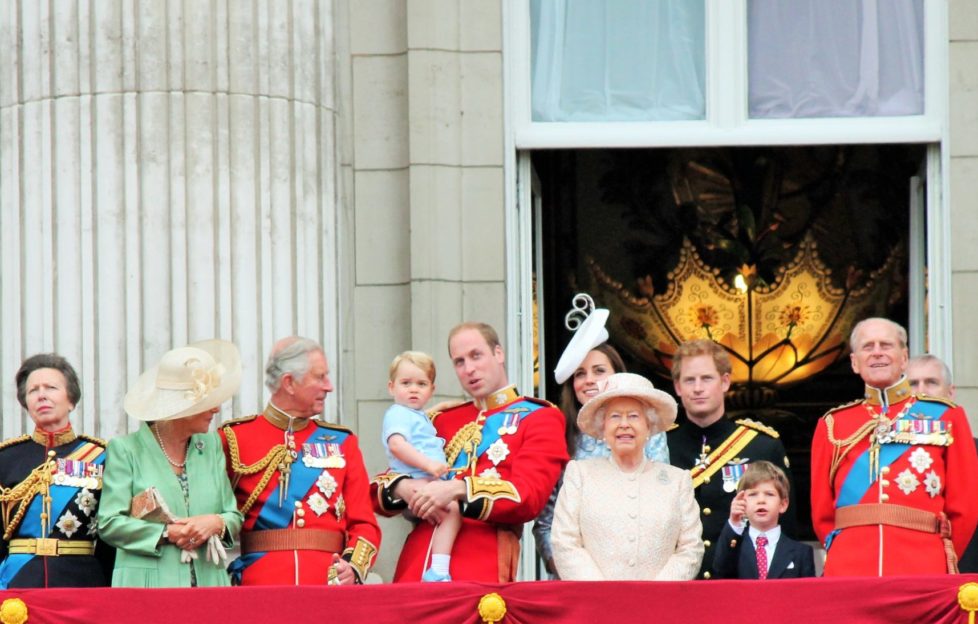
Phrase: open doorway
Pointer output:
(621, 223)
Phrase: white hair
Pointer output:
(292, 359)
(898, 328)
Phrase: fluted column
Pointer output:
(167, 174)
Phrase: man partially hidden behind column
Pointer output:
(507, 452)
(930, 375)
(300, 482)
(891, 473)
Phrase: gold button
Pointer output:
(884, 482)
(733, 543)
(298, 504)
(707, 543)
(300, 523)
(300, 512)
(884, 497)
(707, 511)
(706, 479)
(707, 575)
(885, 470)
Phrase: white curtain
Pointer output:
(618, 60)
(836, 58)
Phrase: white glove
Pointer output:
(215, 552)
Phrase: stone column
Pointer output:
(167, 174)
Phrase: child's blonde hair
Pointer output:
(418, 358)
(760, 471)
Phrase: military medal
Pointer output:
(703, 461)
(510, 423)
(732, 473)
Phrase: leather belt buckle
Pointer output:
(47, 547)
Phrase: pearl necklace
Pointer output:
(179, 465)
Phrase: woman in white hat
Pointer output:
(625, 517)
(587, 360)
(183, 546)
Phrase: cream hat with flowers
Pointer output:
(187, 381)
(631, 386)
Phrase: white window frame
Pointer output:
(727, 124)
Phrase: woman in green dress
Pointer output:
(173, 452)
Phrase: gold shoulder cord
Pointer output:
(37, 482)
(276, 459)
(842, 447)
(466, 439)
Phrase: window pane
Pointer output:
(617, 60)
(836, 58)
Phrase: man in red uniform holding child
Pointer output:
(507, 451)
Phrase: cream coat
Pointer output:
(610, 525)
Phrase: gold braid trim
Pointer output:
(842, 447)
(37, 482)
(467, 438)
(12, 441)
(271, 462)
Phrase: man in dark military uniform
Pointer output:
(713, 448)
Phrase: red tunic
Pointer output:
(527, 457)
(919, 467)
(334, 497)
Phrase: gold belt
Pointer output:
(291, 539)
(50, 547)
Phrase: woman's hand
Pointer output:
(193, 532)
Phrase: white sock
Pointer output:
(439, 563)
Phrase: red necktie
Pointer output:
(759, 545)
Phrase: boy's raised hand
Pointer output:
(738, 508)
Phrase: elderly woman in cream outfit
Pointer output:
(626, 517)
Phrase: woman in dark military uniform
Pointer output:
(51, 482)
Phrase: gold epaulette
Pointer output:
(542, 402)
(238, 421)
(672, 427)
(433, 414)
(329, 425)
(12, 441)
(753, 424)
(92, 439)
(842, 407)
(934, 399)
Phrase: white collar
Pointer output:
(772, 535)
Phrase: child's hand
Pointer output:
(437, 469)
(738, 508)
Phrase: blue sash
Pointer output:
(857, 482)
(272, 516)
(30, 526)
(490, 429)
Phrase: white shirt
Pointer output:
(772, 536)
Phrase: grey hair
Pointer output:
(927, 357)
(291, 359)
(898, 328)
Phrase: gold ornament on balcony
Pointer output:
(777, 332)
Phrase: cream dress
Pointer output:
(613, 525)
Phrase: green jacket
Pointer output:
(143, 559)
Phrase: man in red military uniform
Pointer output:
(300, 482)
(508, 451)
(891, 473)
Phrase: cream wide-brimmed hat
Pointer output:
(187, 381)
(634, 387)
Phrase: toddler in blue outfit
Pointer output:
(414, 448)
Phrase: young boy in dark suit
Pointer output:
(762, 551)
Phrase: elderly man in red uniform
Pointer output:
(300, 482)
(891, 473)
(507, 450)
